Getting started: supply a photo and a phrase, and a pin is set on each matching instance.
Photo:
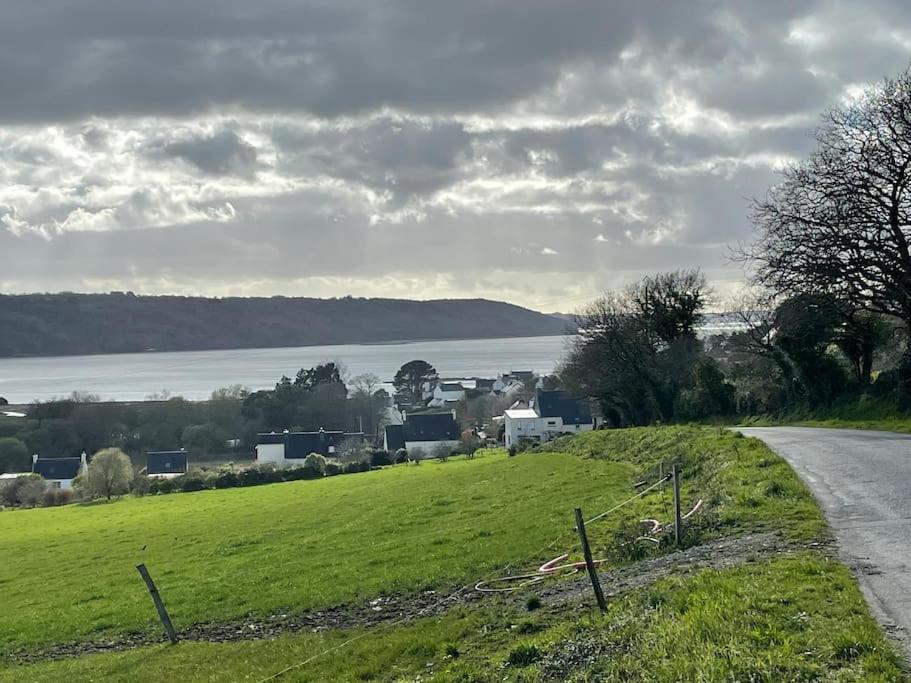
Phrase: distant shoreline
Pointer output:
(390, 342)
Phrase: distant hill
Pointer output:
(71, 324)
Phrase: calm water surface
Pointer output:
(194, 374)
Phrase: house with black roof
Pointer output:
(59, 472)
(550, 414)
(167, 464)
(423, 433)
(291, 448)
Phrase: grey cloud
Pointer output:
(221, 153)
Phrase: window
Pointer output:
(56, 484)
(551, 422)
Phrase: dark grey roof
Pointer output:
(431, 427)
(271, 437)
(57, 468)
(560, 404)
(395, 437)
(451, 386)
(299, 445)
(166, 462)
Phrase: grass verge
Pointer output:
(792, 618)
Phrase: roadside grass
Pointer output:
(68, 574)
(744, 486)
(791, 618)
(866, 412)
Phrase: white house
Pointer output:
(447, 392)
(292, 448)
(60, 472)
(551, 414)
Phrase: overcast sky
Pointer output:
(536, 152)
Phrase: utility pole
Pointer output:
(589, 563)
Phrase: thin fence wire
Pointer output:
(455, 594)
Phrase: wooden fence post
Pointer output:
(159, 605)
(589, 563)
(678, 518)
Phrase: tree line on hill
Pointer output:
(68, 324)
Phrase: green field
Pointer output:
(220, 555)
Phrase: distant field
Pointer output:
(292, 547)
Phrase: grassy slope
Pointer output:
(866, 412)
(793, 617)
(797, 618)
(218, 555)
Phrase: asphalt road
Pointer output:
(862, 479)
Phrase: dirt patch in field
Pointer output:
(729, 552)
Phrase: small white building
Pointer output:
(551, 414)
(447, 393)
(290, 449)
(59, 472)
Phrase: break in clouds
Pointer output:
(536, 152)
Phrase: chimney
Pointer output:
(84, 460)
(454, 414)
(34, 461)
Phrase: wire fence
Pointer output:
(487, 577)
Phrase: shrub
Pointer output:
(332, 468)
(226, 479)
(401, 456)
(52, 497)
(166, 486)
(442, 452)
(191, 483)
(25, 491)
(416, 454)
(298, 473)
(315, 464)
(512, 451)
(140, 484)
(533, 603)
(379, 458)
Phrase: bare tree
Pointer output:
(839, 223)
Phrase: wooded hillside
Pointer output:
(65, 324)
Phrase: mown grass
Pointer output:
(68, 574)
(788, 619)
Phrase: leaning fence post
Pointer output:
(678, 519)
(589, 563)
(159, 605)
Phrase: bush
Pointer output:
(140, 485)
(332, 468)
(416, 454)
(166, 486)
(315, 464)
(442, 451)
(53, 497)
(512, 451)
(401, 456)
(25, 491)
(190, 483)
(523, 655)
(353, 467)
(226, 479)
(380, 458)
(13, 455)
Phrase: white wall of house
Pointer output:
(525, 424)
(166, 475)
(428, 446)
(60, 483)
(270, 452)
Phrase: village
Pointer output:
(436, 417)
